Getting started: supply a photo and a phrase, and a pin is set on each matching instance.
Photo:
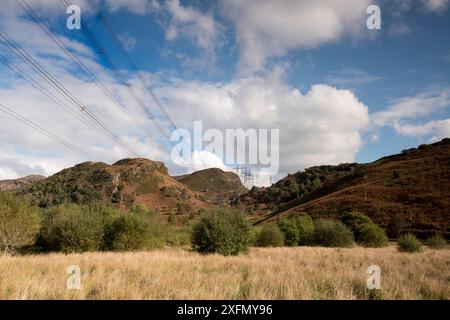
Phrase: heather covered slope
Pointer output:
(412, 187)
(123, 183)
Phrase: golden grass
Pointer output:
(263, 273)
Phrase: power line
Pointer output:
(104, 19)
(47, 93)
(22, 54)
(44, 131)
(32, 14)
(118, 74)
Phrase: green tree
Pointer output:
(270, 236)
(353, 219)
(74, 228)
(221, 230)
(298, 229)
(330, 233)
(134, 231)
(290, 231)
(365, 231)
(19, 223)
(370, 235)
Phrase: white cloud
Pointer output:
(201, 160)
(403, 112)
(269, 28)
(350, 77)
(318, 127)
(422, 104)
(186, 21)
(129, 42)
(438, 6)
(436, 129)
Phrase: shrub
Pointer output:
(290, 231)
(270, 236)
(353, 219)
(370, 235)
(365, 231)
(134, 231)
(19, 223)
(73, 228)
(297, 229)
(409, 243)
(436, 242)
(330, 233)
(177, 236)
(221, 230)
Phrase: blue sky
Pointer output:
(337, 91)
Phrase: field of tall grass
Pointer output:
(262, 273)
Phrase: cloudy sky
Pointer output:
(337, 91)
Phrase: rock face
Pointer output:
(14, 184)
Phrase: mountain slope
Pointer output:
(214, 184)
(127, 181)
(413, 185)
(14, 184)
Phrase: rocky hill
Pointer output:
(14, 184)
(215, 184)
(126, 182)
(410, 188)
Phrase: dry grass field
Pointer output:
(269, 273)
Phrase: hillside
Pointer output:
(410, 188)
(14, 184)
(124, 183)
(296, 186)
(214, 184)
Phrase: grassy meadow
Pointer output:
(262, 273)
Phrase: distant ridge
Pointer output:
(14, 184)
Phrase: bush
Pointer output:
(177, 236)
(330, 233)
(365, 231)
(290, 231)
(370, 235)
(409, 243)
(353, 219)
(297, 229)
(436, 242)
(305, 227)
(134, 231)
(19, 223)
(73, 228)
(270, 236)
(221, 230)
